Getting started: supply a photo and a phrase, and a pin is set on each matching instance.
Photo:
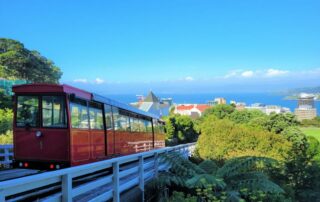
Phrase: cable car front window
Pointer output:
(54, 112)
(27, 111)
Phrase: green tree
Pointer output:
(180, 129)
(223, 139)
(220, 111)
(313, 151)
(278, 122)
(17, 62)
(6, 119)
(245, 116)
(5, 100)
(301, 171)
(313, 122)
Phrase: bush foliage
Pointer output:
(6, 138)
(226, 138)
(17, 62)
(223, 139)
(6, 120)
(238, 179)
(180, 129)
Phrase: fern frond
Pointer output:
(246, 175)
(234, 196)
(263, 185)
(243, 164)
(209, 166)
(167, 179)
(181, 166)
(204, 180)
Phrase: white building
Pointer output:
(268, 109)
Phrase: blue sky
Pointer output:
(173, 46)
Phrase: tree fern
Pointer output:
(254, 184)
(209, 166)
(237, 174)
(234, 196)
(182, 166)
(242, 164)
(203, 180)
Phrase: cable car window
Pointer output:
(79, 114)
(156, 126)
(143, 127)
(122, 123)
(108, 117)
(27, 111)
(54, 112)
(161, 128)
(148, 125)
(96, 117)
(135, 127)
(115, 113)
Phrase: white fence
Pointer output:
(146, 167)
(6, 155)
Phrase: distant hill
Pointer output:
(294, 93)
(314, 90)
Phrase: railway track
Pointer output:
(9, 174)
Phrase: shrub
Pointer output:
(180, 129)
(5, 100)
(245, 116)
(6, 119)
(6, 138)
(220, 111)
(278, 122)
(313, 122)
(223, 139)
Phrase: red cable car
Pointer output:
(57, 126)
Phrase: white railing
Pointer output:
(6, 155)
(119, 181)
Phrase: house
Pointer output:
(192, 110)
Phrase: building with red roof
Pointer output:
(192, 110)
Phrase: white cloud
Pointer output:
(247, 74)
(80, 81)
(256, 73)
(189, 78)
(275, 72)
(99, 81)
(233, 73)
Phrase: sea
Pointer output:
(248, 98)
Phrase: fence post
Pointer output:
(2, 197)
(67, 188)
(116, 182)
(141, 176)
(6, 155)
(156, 164)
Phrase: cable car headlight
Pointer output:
(38, 134)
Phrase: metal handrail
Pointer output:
(6, 155)
(142, 172)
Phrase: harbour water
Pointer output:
(248, 98)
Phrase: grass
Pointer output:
(311, 131)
